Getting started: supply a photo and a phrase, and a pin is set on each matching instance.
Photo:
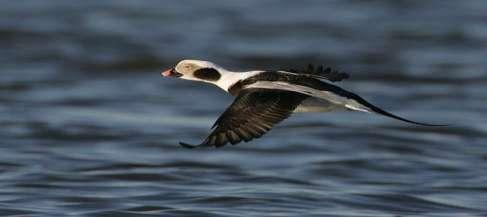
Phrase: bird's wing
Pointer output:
(321, 73)
(335, 95)
(251, 115)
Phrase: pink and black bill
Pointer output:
(171, 73)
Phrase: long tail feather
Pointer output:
(388, 114)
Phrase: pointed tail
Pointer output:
(380, 111)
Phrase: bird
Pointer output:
(263, 98)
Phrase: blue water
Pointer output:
(89, 128)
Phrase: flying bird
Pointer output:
(264, 98)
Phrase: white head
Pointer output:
(205, 71)
(196, 70)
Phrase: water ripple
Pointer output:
(89, 127)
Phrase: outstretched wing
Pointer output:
(321, 73)
(251, 115)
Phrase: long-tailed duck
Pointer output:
(265, 98)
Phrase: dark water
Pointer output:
(89, 128)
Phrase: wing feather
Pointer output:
(253, 113)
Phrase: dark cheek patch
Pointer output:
(209, 74)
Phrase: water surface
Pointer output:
(89, 128)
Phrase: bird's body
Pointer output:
(264, 98)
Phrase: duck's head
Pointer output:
(197, 70)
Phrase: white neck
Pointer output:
(229, 78)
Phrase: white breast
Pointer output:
(317, 105)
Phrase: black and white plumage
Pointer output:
(265, 98)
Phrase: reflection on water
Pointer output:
(89, 128)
